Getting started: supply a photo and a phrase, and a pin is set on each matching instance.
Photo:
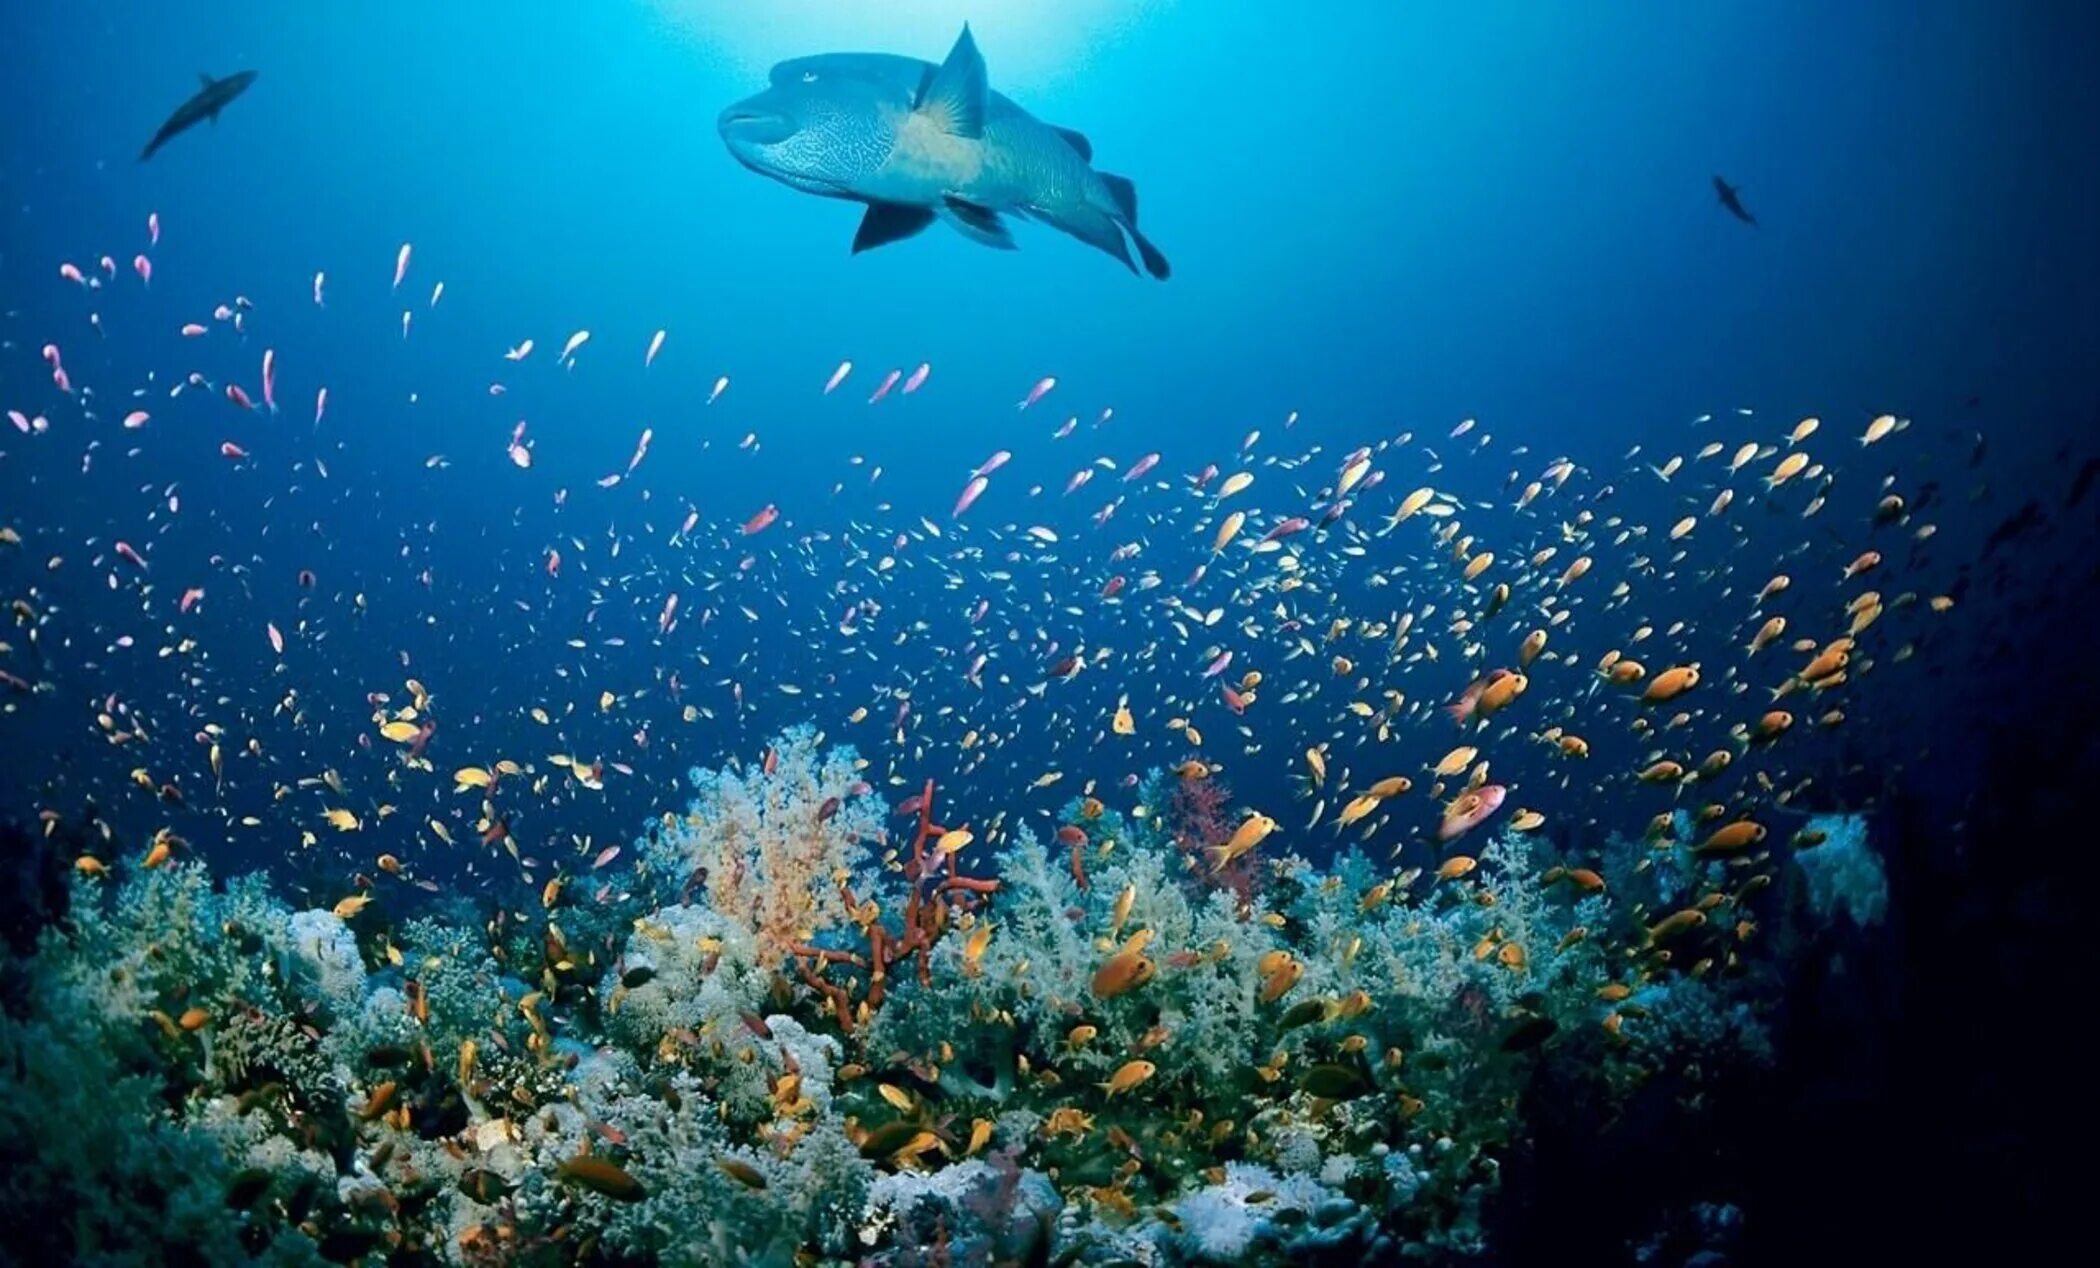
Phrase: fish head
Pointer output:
(826, 124)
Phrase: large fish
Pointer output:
(209, 101)
(918, 142)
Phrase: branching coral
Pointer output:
(935, 894)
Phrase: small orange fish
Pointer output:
(1671, 683)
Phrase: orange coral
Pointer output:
(929, 908)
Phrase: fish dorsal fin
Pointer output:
(953, 96)
(205, 79)
(1077, 141)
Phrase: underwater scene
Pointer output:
(1111, 632)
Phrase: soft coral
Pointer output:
(1199, 814)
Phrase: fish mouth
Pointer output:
(746, 124)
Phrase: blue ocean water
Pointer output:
(1382, 220)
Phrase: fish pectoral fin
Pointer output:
(979, 224)
(889, 222)
(1077, 141)
(204, 78)
(954, 95)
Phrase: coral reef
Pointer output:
(829, 1048)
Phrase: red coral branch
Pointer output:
(927, 907)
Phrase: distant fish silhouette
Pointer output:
(1730, 199)
(209, 101)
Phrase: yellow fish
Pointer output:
(1252, 832)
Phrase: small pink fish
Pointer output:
(125, 549)
(888, 381)
(189, 599)
(664, 618)
(759, 522)
(276, 639)
(401, 263)
(1079, 477)
(230, 450)
(71, 272)
(838, 376)
(136, 419)
(1218, 666)
(606, 855)
(1071, 424)
(1143, 465)
(239, 396)
(320, 405)
(153, 228)
(577, 340)
(109, 267)
(918, 377)
(721, 386)
(437, 293)
(1295, 524)
(641, 449)
(320, 280)
(1038, 392)
(407, 318)
(520, 352)
(971, 492)
(656, 343)
(62, 380)
(1470, 811)
(993, 463)
(269, 377)
(192, 330)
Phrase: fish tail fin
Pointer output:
(1155, 263)
(1124, 194)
